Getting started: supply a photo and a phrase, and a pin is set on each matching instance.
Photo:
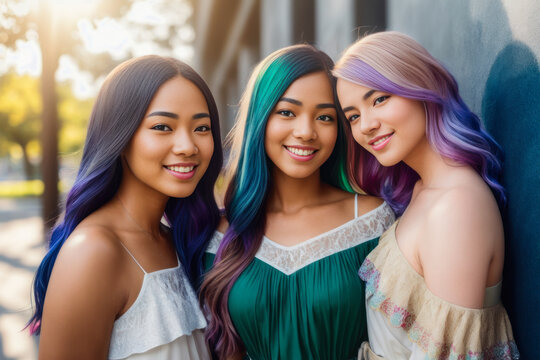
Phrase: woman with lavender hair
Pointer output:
(116, 283)
(433, 283)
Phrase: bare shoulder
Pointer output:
(366, 203)
(84, 295)
(88, 261)
(94, 246)
(344, 198)
(469, 211)
(462, 233)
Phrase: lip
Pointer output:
(381, 145)
(182, 175)
(301, 147)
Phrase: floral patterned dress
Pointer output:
(407, 321)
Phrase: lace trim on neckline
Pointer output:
(289, 259)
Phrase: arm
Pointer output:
(83, 297)
(463, 234)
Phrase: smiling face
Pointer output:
(390, 127)
(171, 149)
(302, 129)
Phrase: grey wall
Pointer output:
(492, 47)
(467, 35)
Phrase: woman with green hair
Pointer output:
(284, 281)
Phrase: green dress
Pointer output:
(306, 301)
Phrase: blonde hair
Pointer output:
(397, 57)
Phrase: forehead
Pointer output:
(314, 86)
(348, 90)
(179, 93)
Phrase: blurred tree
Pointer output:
(74, 114)
(55, 34)
(20, 111)
(20, 117)
(54, 23)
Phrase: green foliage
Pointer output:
(74, 114)
(20, 115)
(20, 109)
(23, 188)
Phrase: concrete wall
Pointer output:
(493, 49)
(233, 35)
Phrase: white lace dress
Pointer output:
(165, 321)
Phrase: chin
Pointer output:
(181, 193)
(300, 173)
(387, 162)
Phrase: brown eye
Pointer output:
(161, 127)
(380, 99)
(353, 117)
(285, 113)
(325, 118)
(203, 128)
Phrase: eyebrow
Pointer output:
(325, 106)
(299, 103)
(200, 116)
(365, 97)
(368, 94)
(292, 101)
(164, 113)
(175, 116)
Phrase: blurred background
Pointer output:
(54, 54)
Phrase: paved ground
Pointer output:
(21, 250)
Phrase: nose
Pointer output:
(368, 124)
(183, 143)
(304, 128)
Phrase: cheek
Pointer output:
(417, 123)
(208, 148)
(356, 133)
(332, 137)
(273, 135)
(142, 148)
(273, 131)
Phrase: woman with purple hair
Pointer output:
(116, 283)
(433, 283)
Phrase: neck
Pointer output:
(290, 195)
(434, 169)
(143, 209)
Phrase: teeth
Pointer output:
(301, 152)
(182, 169)
(381, 140)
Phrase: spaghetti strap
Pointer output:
(355, 205)
(133, 257)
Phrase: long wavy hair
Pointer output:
(395, 63)
(117, 113)
(250, 181)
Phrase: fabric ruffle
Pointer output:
(441, 329)
(166, 309)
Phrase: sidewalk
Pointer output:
(21, 250)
